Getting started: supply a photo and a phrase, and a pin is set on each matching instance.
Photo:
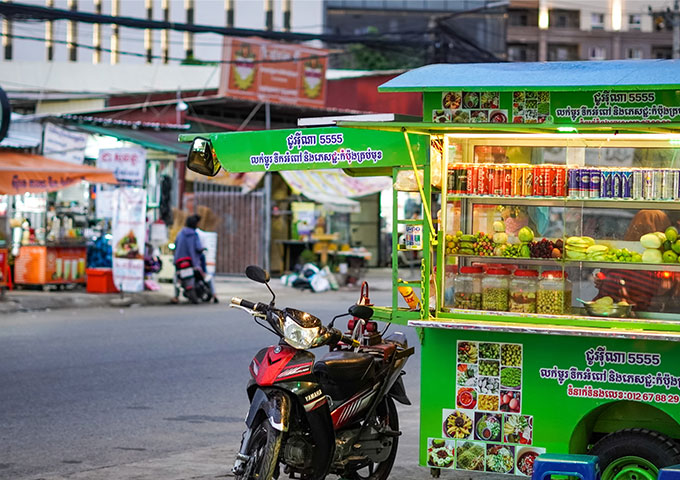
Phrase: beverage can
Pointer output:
(648, 184)
(605, 183)
(518, 181)
(595, 178)
(657, 185)
(549, 174)
(667, 184)
(461, 179)
(637, 187)
(561, 181)
(617, 187)
(538, 190)
(626, 183)
(573, 182)
(507, 180)
(482, 180)
(450, 179)
(498, 180)
(528, 181)
(676, 184)
(471, 179)
(585, 183)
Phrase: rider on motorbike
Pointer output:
(188, 244)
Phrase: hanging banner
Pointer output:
(103, 202)
(129, 224)
(64, 145)
(127, 164)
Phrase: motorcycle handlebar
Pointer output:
(258, 307)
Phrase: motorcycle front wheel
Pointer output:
(386, 417)
(264, 452)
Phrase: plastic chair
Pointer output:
(669, 473)
(585, 467)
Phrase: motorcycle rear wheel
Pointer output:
(191, 295)
(385, 416)
(265, 446)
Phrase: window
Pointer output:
(562, 52)
(564, 18)
(518, 18)
(597, 53)
(634, 53)
(597, 21)
(522, 53)
(662, 52)
(634, 22)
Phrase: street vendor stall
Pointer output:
(48, 240)
(552, 320)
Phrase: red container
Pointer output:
(561, 182)
(518, 181)
(549, 175)
(100, 280)
(507, 180)
(498, 180)
(482, 180)
(538, 190)
(528, 181)
(472, 186)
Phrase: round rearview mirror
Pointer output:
(201, 158)
(257, 274)
(361, 311)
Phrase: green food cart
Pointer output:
(550, 282)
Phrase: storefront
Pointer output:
(45, 203)
(551, 322)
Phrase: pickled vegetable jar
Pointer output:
(495, 289)
(468, 288)
(554, 293)
(523, 285)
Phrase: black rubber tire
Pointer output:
(264, 448)
(637, 442)
(191, 295)
(387, 413)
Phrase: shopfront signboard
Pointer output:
(316, 148)
(128, 164)
(64, 145)
(129, 234)
(267, 71)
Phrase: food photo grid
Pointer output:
(531, 107)
(486, 430)
(470, 107)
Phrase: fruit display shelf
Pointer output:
(568, 202)
(559, 263)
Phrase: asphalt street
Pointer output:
(83, 390)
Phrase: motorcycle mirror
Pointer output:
(257, 274)
(361, 311)
(201, 158)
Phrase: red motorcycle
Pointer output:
(314, 417)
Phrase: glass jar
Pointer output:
(523, 285)
(450, 274)
(495, 289)
(554, 293)
(468, 288)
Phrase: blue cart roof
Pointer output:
(612, 74)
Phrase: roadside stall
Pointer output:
(47, 238)
(548, 298)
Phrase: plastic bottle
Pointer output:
(409, 296)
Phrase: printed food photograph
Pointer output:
(440, 453)
(457, 423)
(490, 99)
(468, 352)
(479, 116)
(526, 456)
(511, 355)
(518, 428)
(488, 402)
(489, 368)
(498, 116)
(471, 456)
(460, 116)
(487, 427)
(500, 458)
(511, 378)
(441, 116)
(488, 385)
(466, 398)
(470, 99)
(466, 375)
(451, 100)
(490, 350)
(511, 401)
(127, 247)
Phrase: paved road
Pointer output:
(82, 390)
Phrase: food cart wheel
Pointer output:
(635, 454)
(435, 472)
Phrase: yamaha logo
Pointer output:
(312, 396)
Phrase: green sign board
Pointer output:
(553, 108)
(492, 401)
(316, 148)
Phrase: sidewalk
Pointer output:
(379, 279)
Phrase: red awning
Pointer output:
(27, 173)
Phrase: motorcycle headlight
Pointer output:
(297, 336)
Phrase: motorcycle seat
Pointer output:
(342, 367)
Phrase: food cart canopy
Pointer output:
(333, 188)
(574, 76)
(26, 173)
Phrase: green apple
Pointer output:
(676, 247)
(670, 257)
(671, 234)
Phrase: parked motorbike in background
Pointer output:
(335, 415)
(191, 281)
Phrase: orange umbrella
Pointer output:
(27, 173)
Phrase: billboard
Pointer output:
(265, 71)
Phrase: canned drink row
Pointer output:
(508, 180)
(625, 183)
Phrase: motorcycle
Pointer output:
(335, 415)
(194, 285)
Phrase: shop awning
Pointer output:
(333, 188)
(163, 141)
(26, 173)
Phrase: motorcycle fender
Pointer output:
(261, 402)
(398, 392)
(323, 435)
